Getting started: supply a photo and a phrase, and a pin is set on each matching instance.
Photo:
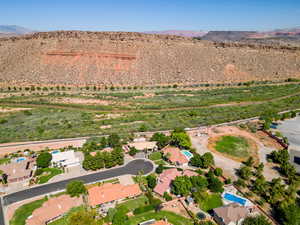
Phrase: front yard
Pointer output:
(47, 174)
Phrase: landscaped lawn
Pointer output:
(160, 162)
(47, 174)
(23, 212)
(155, 156)
(232, 145)
(209, 201)
(134, 203)
(171, 217)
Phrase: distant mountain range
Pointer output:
(13, 30)
(183, 33)
(217, 36)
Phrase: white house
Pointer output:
(65, 159)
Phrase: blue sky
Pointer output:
(146, 15)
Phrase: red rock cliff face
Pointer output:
(114, 58)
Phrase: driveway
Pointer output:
(131, 168)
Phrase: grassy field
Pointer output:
(64, 219)
(47, 174)
(23, 212)
(126, 114)
(232, 145)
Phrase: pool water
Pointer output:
(187, 154)
(234, 198)
(55, 152)
(20, 159)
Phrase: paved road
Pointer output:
(133, 168)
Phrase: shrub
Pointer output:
(167, 197)
(218, 172)
(38, 172)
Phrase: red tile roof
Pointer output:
(53, 208)
(111, 192)
(165, 180)
(174, 155)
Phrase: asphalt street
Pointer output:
(132, 168)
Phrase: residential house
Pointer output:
(167, 176)
(53, 209)
(107, 195)
(19, 170)
(175, 156)
(65, 159)
(142, 146)
(232, 214)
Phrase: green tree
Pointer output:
(120, 216)
(207, 160)
(281, 156)
(76, 188)
(161, 139)
(117, 156)
(44, 159)
(215, 185)
(249, 162)
(257, 220)
(114, 140)
(181, 139)
(245, 172)
(199, 182)
(289, 214)
(196, 160)
(218, 172)
(181, 185)
(159, 169)
(167, 197)
(151, 181)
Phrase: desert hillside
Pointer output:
(122, 58)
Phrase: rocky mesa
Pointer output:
(127, 58)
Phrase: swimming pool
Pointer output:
(20, 159)
(234, 198)
(187, 154)
(55, 152)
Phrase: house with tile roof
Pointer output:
(232, 214)
(175, 156)
(107, 195)
(167, 176)
(53, 209)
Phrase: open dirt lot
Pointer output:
(200, 141)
